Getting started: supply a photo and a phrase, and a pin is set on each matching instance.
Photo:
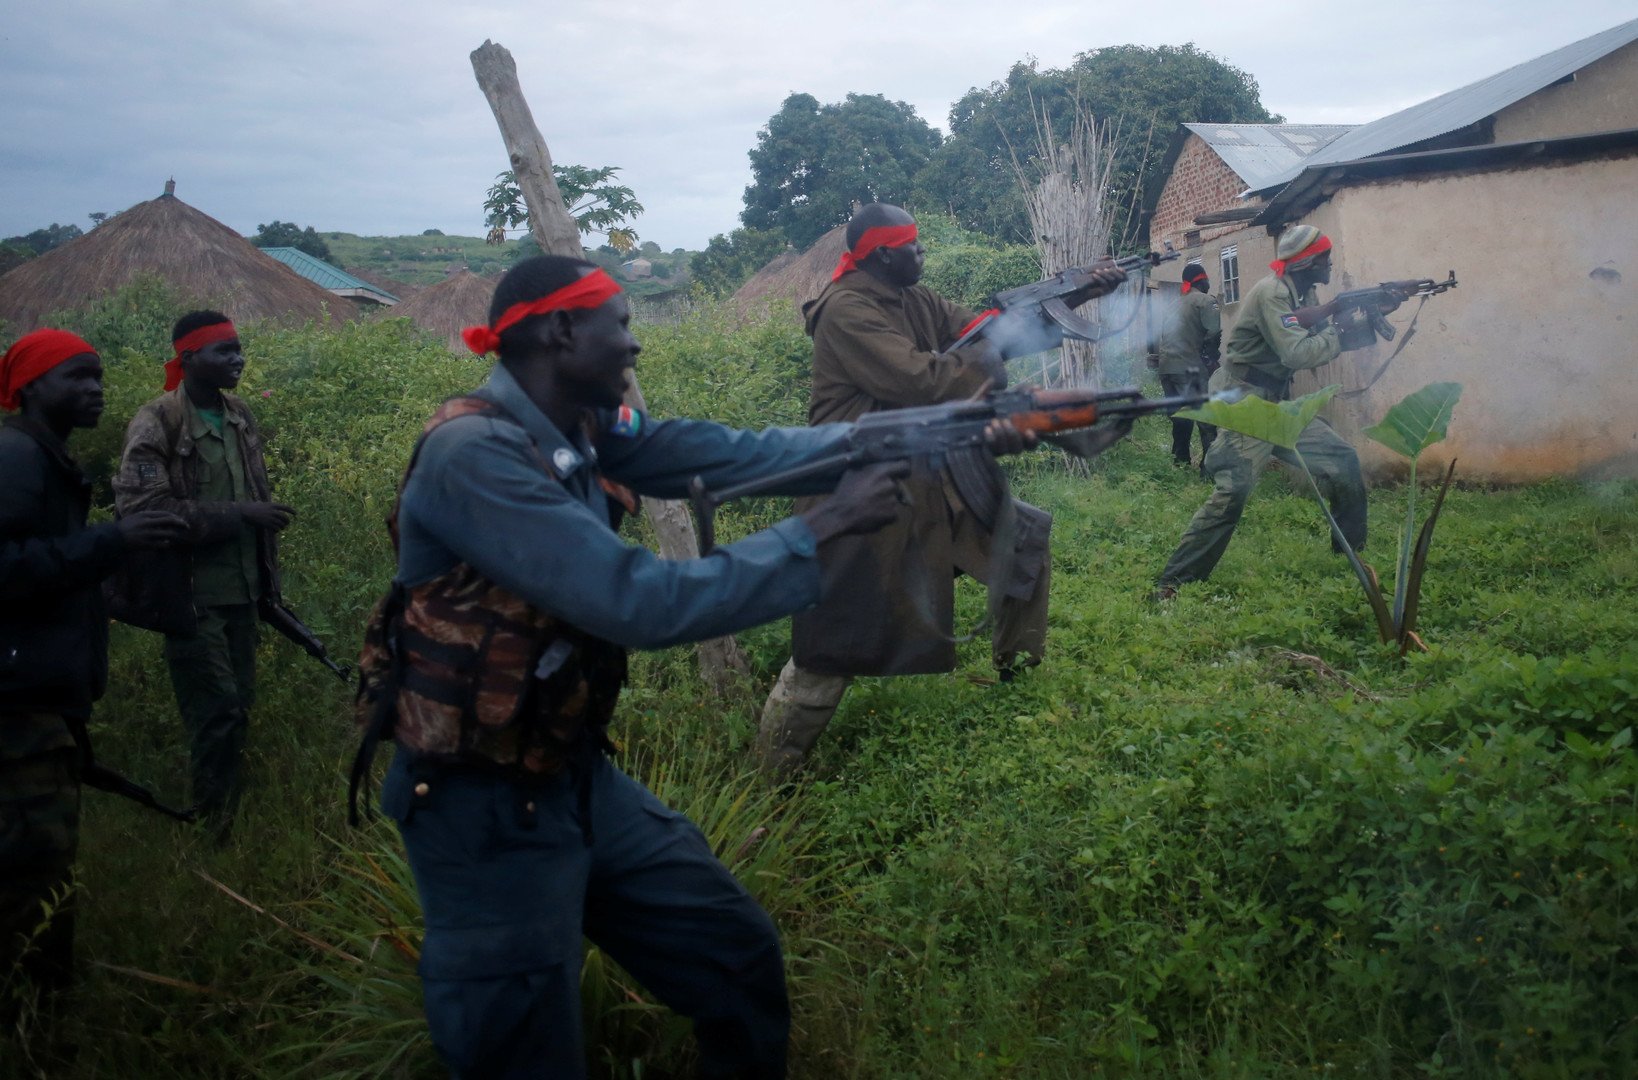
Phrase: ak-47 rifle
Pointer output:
(951, 436)
(101, 777)
(274, 613)
(1360, 314)
(1039, 316)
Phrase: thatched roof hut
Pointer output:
(794, 277)
(458, 301)
(191, 250)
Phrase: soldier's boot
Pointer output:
(798, 710)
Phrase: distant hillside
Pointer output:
(418, 260)
(426, 260)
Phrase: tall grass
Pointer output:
(1226, 837)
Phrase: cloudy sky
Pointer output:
(365, 117)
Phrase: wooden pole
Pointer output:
(722, 663)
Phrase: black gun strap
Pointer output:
(1410, 332)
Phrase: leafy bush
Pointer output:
(1228, 838)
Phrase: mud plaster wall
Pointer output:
(1542, 333)
(1602, 97)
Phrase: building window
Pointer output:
(1191, 238)
(1230, 276)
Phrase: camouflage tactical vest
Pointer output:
(463, 672)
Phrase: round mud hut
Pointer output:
(445, 309)
(187, 248)
(793, 277)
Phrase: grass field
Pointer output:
(1229, 836)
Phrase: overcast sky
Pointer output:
(364, 117)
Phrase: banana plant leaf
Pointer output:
(1279, 423)
(1408, 428)
(1419, 421)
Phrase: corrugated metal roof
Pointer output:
(1315, 184)
(1255, 151)
(1459, 108)
(324, 275)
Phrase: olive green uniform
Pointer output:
(1265, 347)
(1189, 325)
(199, 464)
(875, 348)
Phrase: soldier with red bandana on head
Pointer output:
(879, 341)
(496, 662)
(1266, 347)
(195, 451)
(53, 641)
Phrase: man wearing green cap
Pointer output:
(1267, 345)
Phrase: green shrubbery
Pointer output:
(1226, 837)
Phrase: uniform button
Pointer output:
(529, 806)
(422, 788)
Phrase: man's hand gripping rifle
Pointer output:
(1040, 315)
(952, 435)
(1360, 314)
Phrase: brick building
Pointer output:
(1209, 167)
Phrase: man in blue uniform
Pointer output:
(514, 604)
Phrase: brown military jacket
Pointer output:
(890, 596)
(160, 471)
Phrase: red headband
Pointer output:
(888, 236)
(193, 341)
(1198, 275)
(591, 291)
(1323, 244)
(32, 356)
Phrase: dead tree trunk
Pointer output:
(1065, 185)
(721, 661)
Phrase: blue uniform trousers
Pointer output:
(512, 875)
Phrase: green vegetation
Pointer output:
(596, 203)
(418, 260)
(1233, 836)
(289, 234)
(812, 161)
(1408, 428)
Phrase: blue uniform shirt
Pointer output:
(478, 495)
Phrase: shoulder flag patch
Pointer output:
(1290, 322)
(627, 422)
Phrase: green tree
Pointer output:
(1144, 92)
(728, 261)
(811, 162)
(43, 240)
(595, 201)
(289, 234)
